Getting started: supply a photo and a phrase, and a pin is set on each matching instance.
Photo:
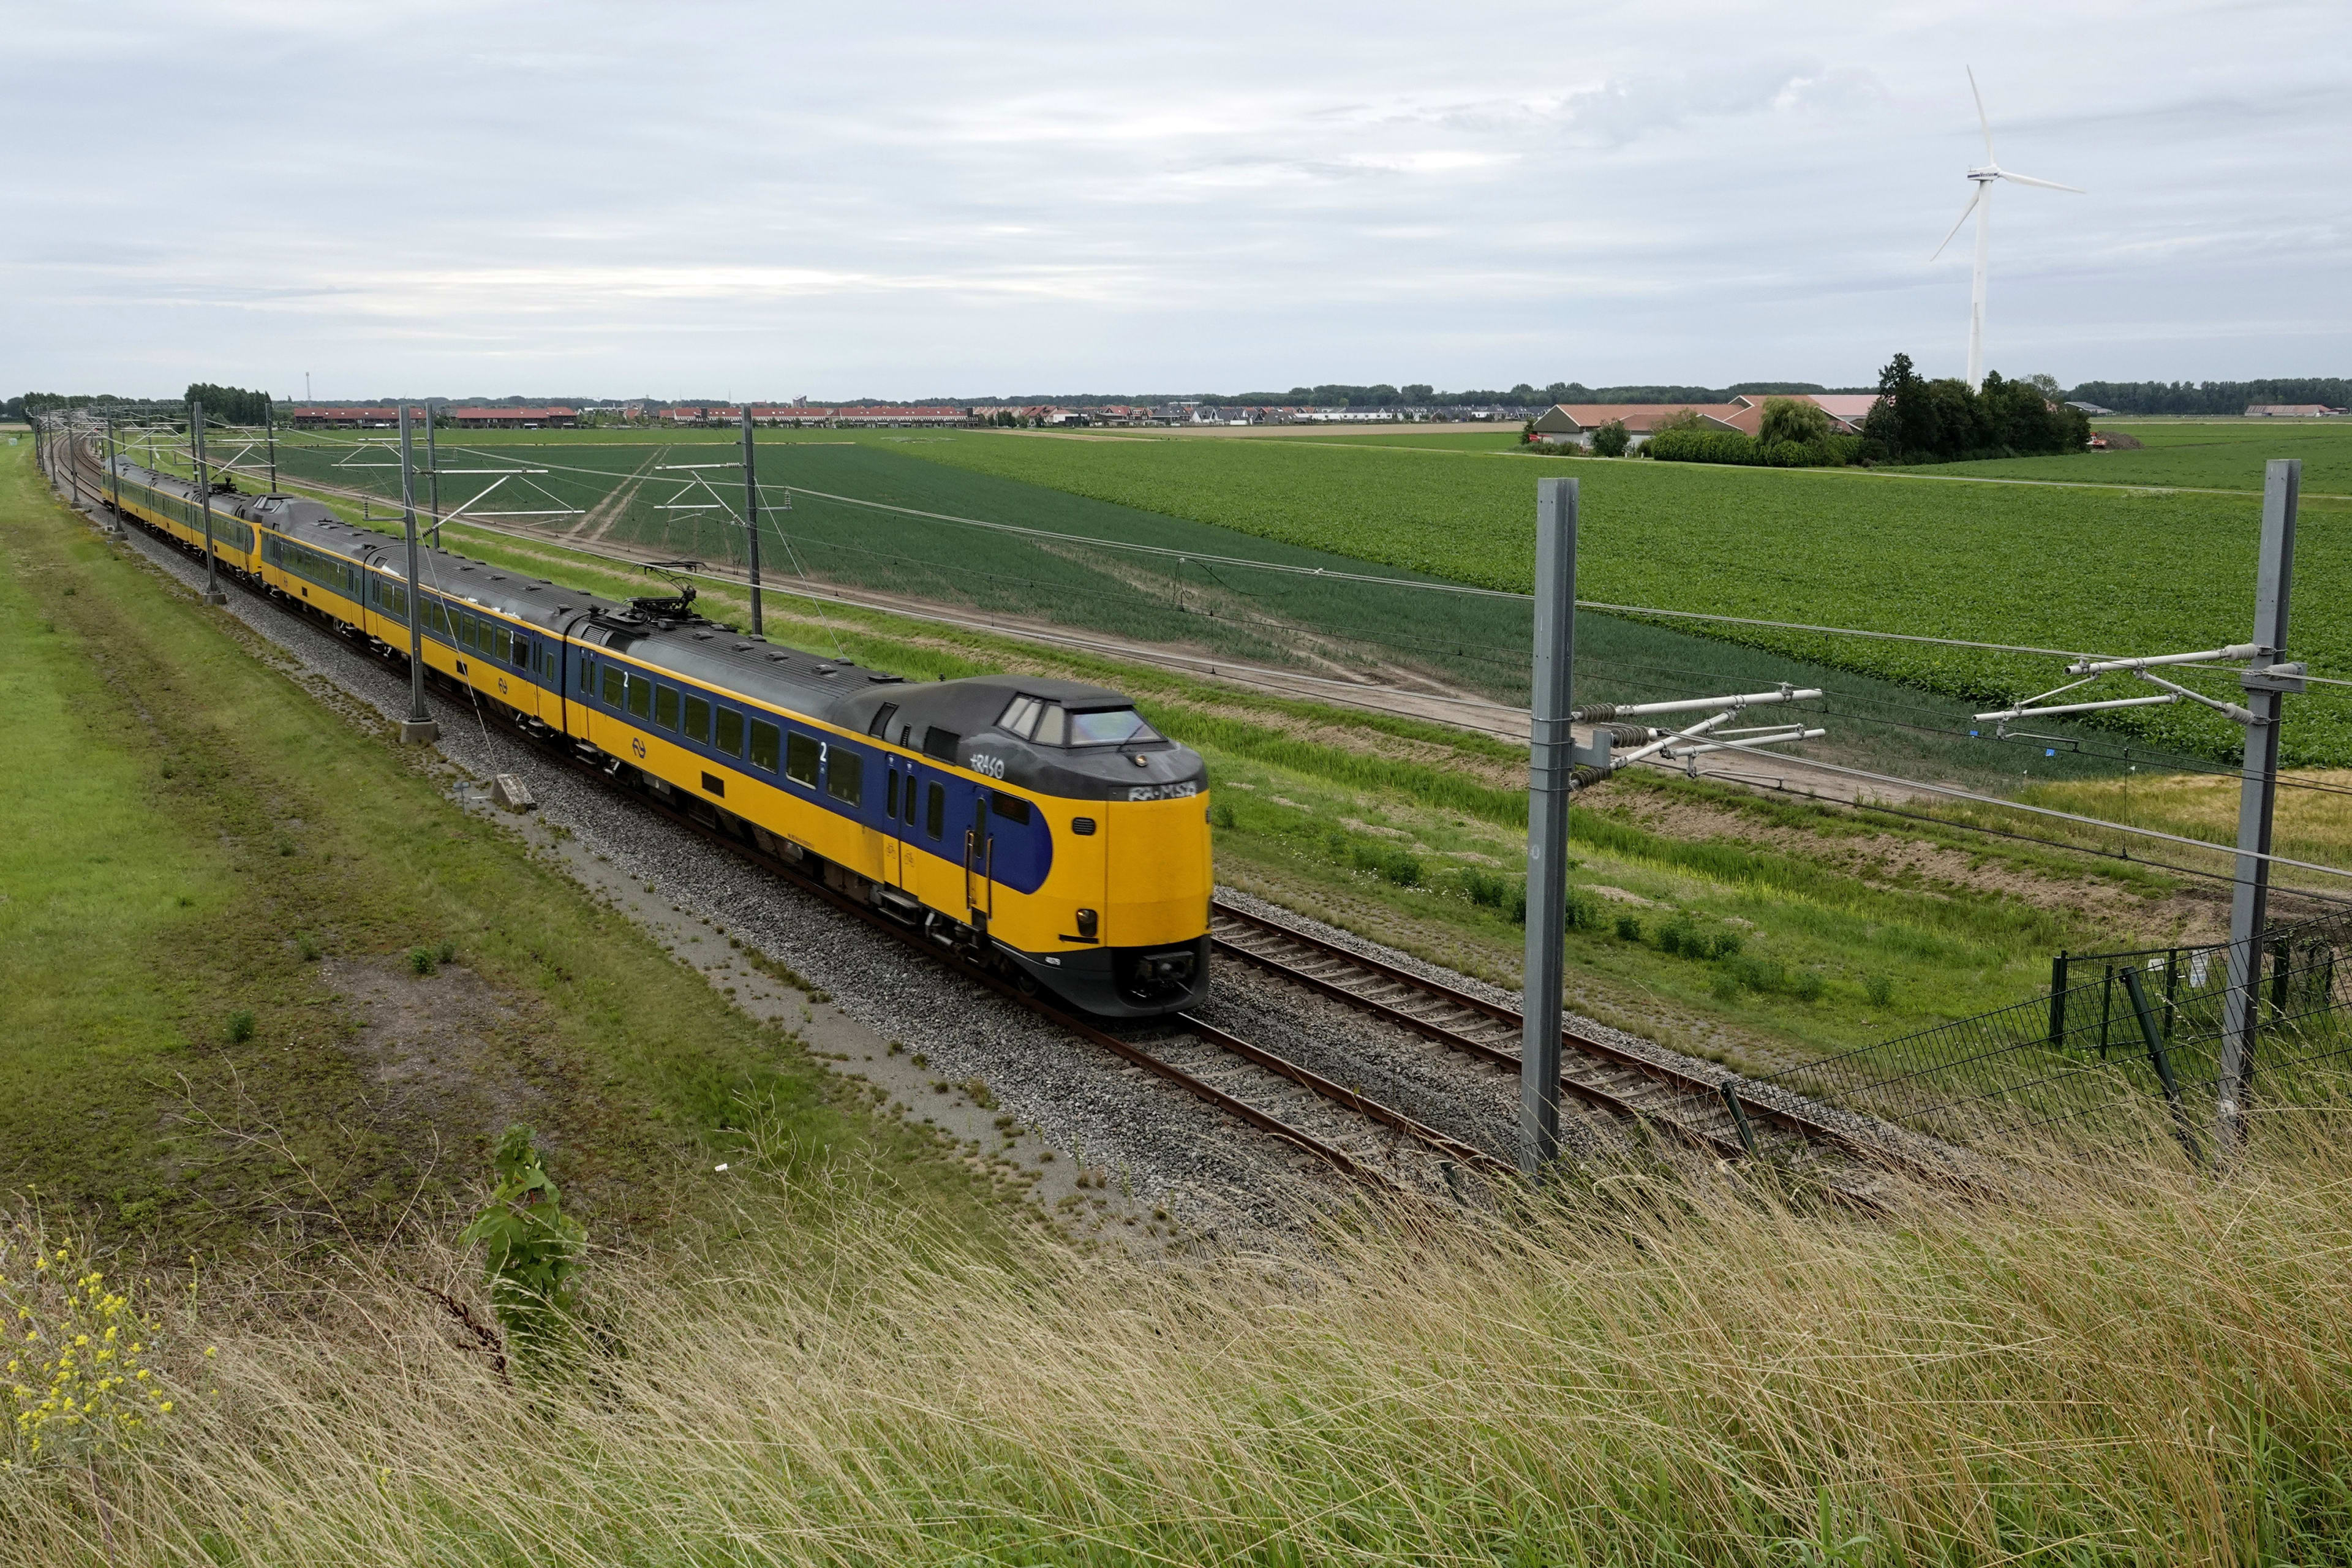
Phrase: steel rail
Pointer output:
(563, 752)
(1701, 1091)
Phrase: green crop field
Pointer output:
(868, 513)
(2213, 454)
(2119, 571)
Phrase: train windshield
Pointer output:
(1109, 727)
(1049, 724)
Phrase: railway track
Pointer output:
(1707, 1113)
(1360, 1137)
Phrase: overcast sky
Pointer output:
(768, 200)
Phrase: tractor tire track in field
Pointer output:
(598, 520)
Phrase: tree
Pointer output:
(2047, 385)
(1611, 439)
(1902, 422)
(1681, 419)
(228, 405)
(1793, 419)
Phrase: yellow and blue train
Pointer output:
(1040, 825)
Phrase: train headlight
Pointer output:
(1087, 921)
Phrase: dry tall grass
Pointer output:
(2155, 1368)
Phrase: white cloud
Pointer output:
(926, 199)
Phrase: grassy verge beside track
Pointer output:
(202, 862)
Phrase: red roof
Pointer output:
(517, 414)
(1640, 419)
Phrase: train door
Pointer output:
(979, 865)
(1082, 874)
(901, 780)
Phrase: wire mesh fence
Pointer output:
(2119, 1036)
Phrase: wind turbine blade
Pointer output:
(1974, 198)
(1981, 121)
(2046, 184)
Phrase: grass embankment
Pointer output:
(202, 866)
(1751, 932)
(2149, 1369)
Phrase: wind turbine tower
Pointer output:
(1981, 204)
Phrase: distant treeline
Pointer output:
(223, 404)
(228, 405)
(2211, 397)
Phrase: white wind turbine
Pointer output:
(1981, 204)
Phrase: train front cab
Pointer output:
(1145, 874)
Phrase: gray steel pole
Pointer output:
(418, 726)
(432, 475)
(114, 478)
(751, 517)
(212, 594)
(1550, 772)
(2257, 799)
(270, 423)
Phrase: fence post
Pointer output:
(2162, 1062)
(2058, 1002)
(1730, 1087)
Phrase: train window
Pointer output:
(1110, 727)
(502, 642)
(641, 696)
(697, 717)
(616, 684)
(395, 602)
(436, 618)
(464, 630)
(547, 662)
(844, 776)
(800, 760)
(1011, 808)
(666, 707)
(881, 725)
(764, 736)
(588, 675)
(1053, 729)
(940, 743)
(1020, 716)
(935, 811)
(730, 732)
(890, 798)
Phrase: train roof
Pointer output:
(836, 690)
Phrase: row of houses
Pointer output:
(1199, 414)
(1574, 423)
(878, 416)
(496, 418)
